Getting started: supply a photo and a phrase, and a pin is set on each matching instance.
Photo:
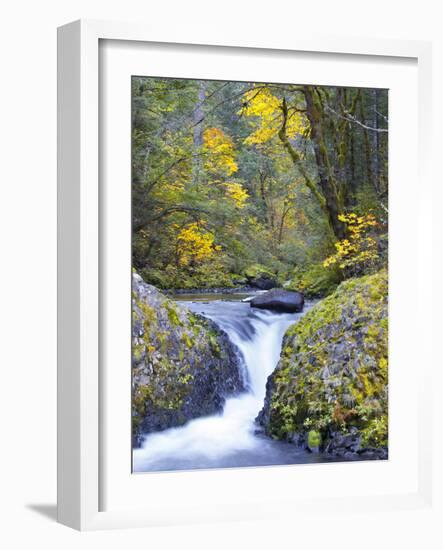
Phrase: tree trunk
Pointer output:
(367, 143)
(326, 177)
(198, 116)
(376, 143)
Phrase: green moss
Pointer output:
(214, 345)
(169, 346)
(314, 439)
(137, 351)
(187, 340)
(333, 372)
(168, 386)
(258, 270)
(316, 280)
(375, 434)
(148, 315)
(173, 315)
(155, 277)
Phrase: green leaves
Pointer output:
(209, 155)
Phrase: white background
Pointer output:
(28, 274)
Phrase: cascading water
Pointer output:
(229, 439)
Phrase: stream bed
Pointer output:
(231, 438)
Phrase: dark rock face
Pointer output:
(331, 383)
(183, 365)
(263, 282)
(259, 277)
(350, 444)
(280, 300)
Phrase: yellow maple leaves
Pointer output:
(360, 248)
(262, 104)
(195, 244)
(237, 193)
(219, 149)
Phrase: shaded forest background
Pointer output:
(233, 178)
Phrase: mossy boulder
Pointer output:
(316, 281)
(260, 277)
(205, 276)
(183, 365)
(332, 377)
(156, 278)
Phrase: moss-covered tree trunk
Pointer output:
(326, 174)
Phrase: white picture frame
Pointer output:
(80, 411)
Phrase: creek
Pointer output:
(231, 438)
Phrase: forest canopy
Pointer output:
(291, 179)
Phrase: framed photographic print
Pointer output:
(238, 230)
(252, 203)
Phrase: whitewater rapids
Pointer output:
(229, 439)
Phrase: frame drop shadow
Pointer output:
(48, 511)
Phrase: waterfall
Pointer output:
(229, 438)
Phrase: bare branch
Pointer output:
(351, 118)
(384, 117)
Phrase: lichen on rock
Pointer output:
(183, 365)
(332, 377)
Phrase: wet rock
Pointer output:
(260, 277)
(279, 300)
(333, 374)
(374, 453)
(341, 444)
(183, 365)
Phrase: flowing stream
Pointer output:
(231, 438)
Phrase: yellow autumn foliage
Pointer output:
(195, 244)
(360, 248)
(237, 193)
(220, 151)
(267, 109)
